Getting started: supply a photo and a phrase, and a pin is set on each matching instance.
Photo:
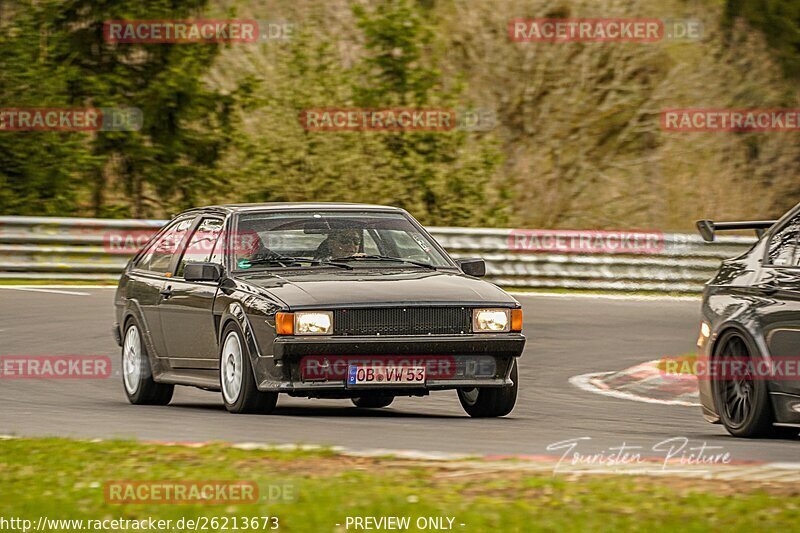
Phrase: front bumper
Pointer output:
(501, 344)
(706, 393)
(453, 362)
(117, 335)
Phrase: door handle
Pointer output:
(166, 292)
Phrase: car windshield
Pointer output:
(346, 239)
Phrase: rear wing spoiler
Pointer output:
(708, 228)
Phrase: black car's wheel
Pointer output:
(137, 376)
(742, 399)
(490, 402)
(236, 380)
(373, 401)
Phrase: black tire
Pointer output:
(743, 404)
(141, 389)
(248, 399)
(491, 402)
(373, 401)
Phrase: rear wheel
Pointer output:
(238, 385)
(137, 376)
(742, 399)
(490, 402)
(373, 401)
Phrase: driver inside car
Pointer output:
(340, 243)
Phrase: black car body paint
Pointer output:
(183, 321)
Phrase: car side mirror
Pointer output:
(202, 272)
(474, 266)
(706, 230)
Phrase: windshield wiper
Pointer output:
(369, 257)
(285, 262)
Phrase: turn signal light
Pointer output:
(284, 323)
(516, 320)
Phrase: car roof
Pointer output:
(284, 206)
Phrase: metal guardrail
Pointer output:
(79, 249)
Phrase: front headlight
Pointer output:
(491, 320)
(313, 323)
(304, 323)
(705, 333)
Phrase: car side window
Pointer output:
(201, 244)
(146, 255)
(159, 255)
(784, 247)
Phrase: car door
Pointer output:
(150, 274)
(186, 308)
(780, 285)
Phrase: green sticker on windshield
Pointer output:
(244, 264)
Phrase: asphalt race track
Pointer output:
(567, 336)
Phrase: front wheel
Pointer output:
(490, 402)
(137, 375)
(742, 399)
(236, 380)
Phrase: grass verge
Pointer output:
(64, 479)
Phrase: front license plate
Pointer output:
(385, 375)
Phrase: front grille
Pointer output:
(402, 321)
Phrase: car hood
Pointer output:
(309, 288)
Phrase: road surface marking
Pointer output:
(584, 383)
(48, 290)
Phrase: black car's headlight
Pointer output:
(304, 323)
(496, 320)
(705, 333)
